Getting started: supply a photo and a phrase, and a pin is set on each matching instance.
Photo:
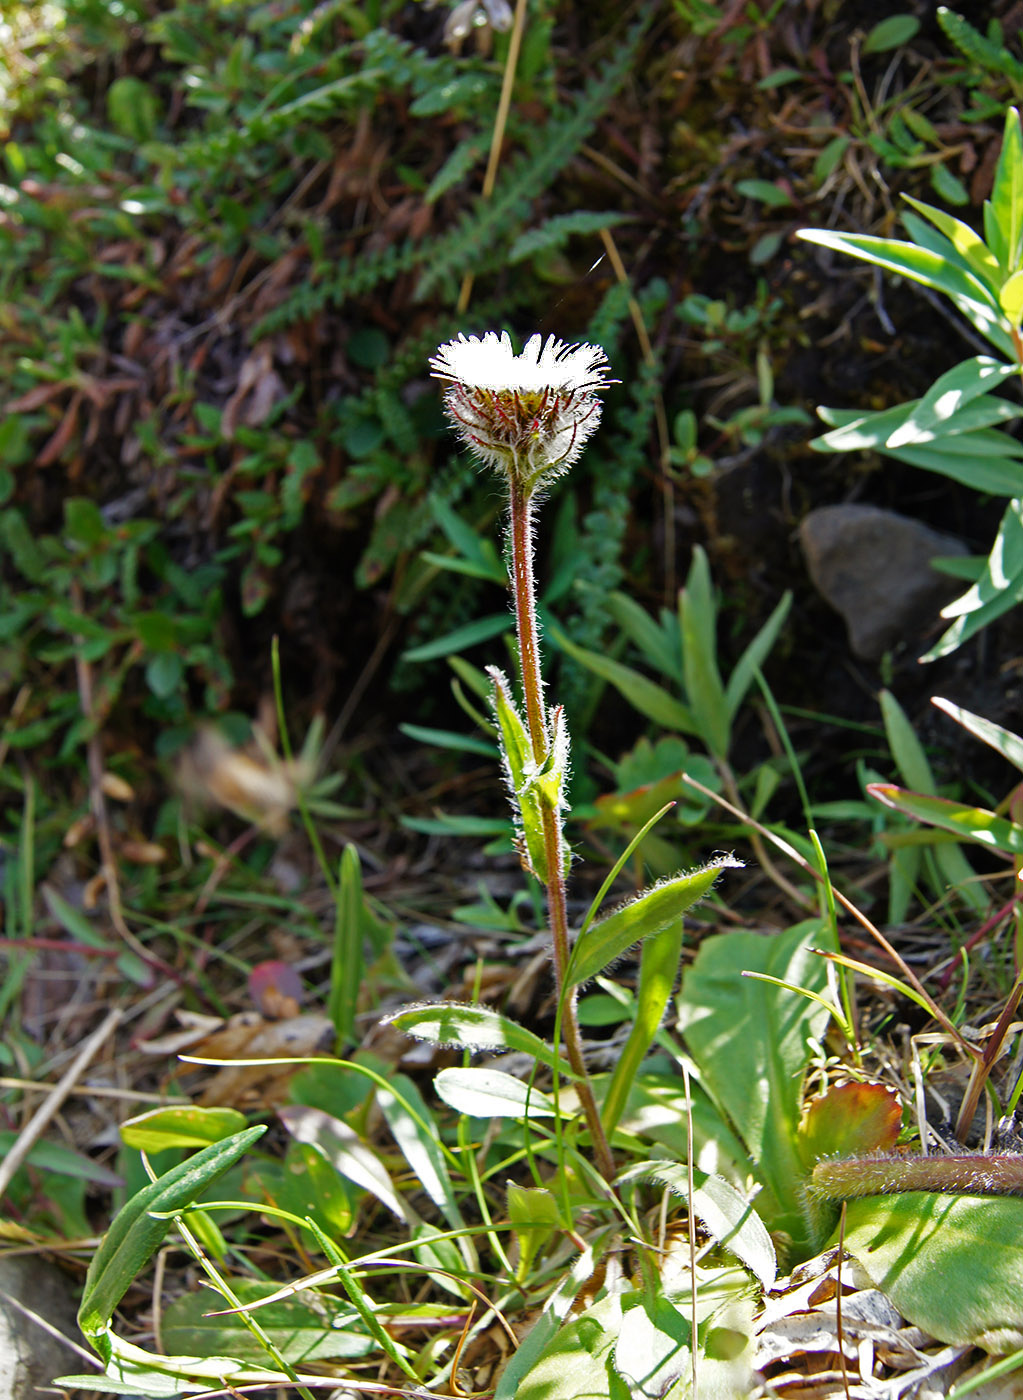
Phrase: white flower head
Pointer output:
(529, 415)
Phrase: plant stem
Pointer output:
(524, 590)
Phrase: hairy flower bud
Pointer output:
(528, 415)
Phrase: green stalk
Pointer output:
(524, 591)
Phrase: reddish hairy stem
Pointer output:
(524, 590)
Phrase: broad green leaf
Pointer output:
(951, 457)
(750, 1041)
(468, 1027)
(1004, 567)
(656, 909)
(305, 1327)
(643, 694)
(186, 1126)
(1007, 192)
(968, 823)
(1009, 745)
(754, 656)
(346, 1152)
(999, 587)
(966, 241)
(854, 431)
(952, 1265)
(936, 412)
(308, 1185)
(534, 1216)
(490, 1093)
(574, 1364)
(723, 1211)
(134, 1235)
(653, 1349)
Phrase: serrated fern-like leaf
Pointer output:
(486, 230)
(973, 45)
(556, 232)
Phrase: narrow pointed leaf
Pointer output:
(1007, 192)
(753, 658)
(939, 409)
(134, 1235)
(1009, 745)
(642, 693)
(469, 1027)
(658, 908)
(968, 823)
(966, 241)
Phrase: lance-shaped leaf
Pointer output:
(1009, 745)
(937, 412)
(1004, 212)
(643, 694)
(966, 241)
(552, 779)
(657, 908)
(468, 1027)
(968, 823)
(134, 1234)
(943, 272)
(521, 771)
(490, 1093)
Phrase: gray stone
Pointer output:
(31, 1356)
(874, 567)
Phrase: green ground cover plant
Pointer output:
(672, 1108)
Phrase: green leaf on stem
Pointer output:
(469, 1027)
(966, 241)
(936, 412)
(749, 1040)
(1006, 203)
(656, 909)
(181, 1126)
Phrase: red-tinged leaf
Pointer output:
(968, 823)
(276, 988)
(35, 398)
(849, 1119)
(57, 444)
